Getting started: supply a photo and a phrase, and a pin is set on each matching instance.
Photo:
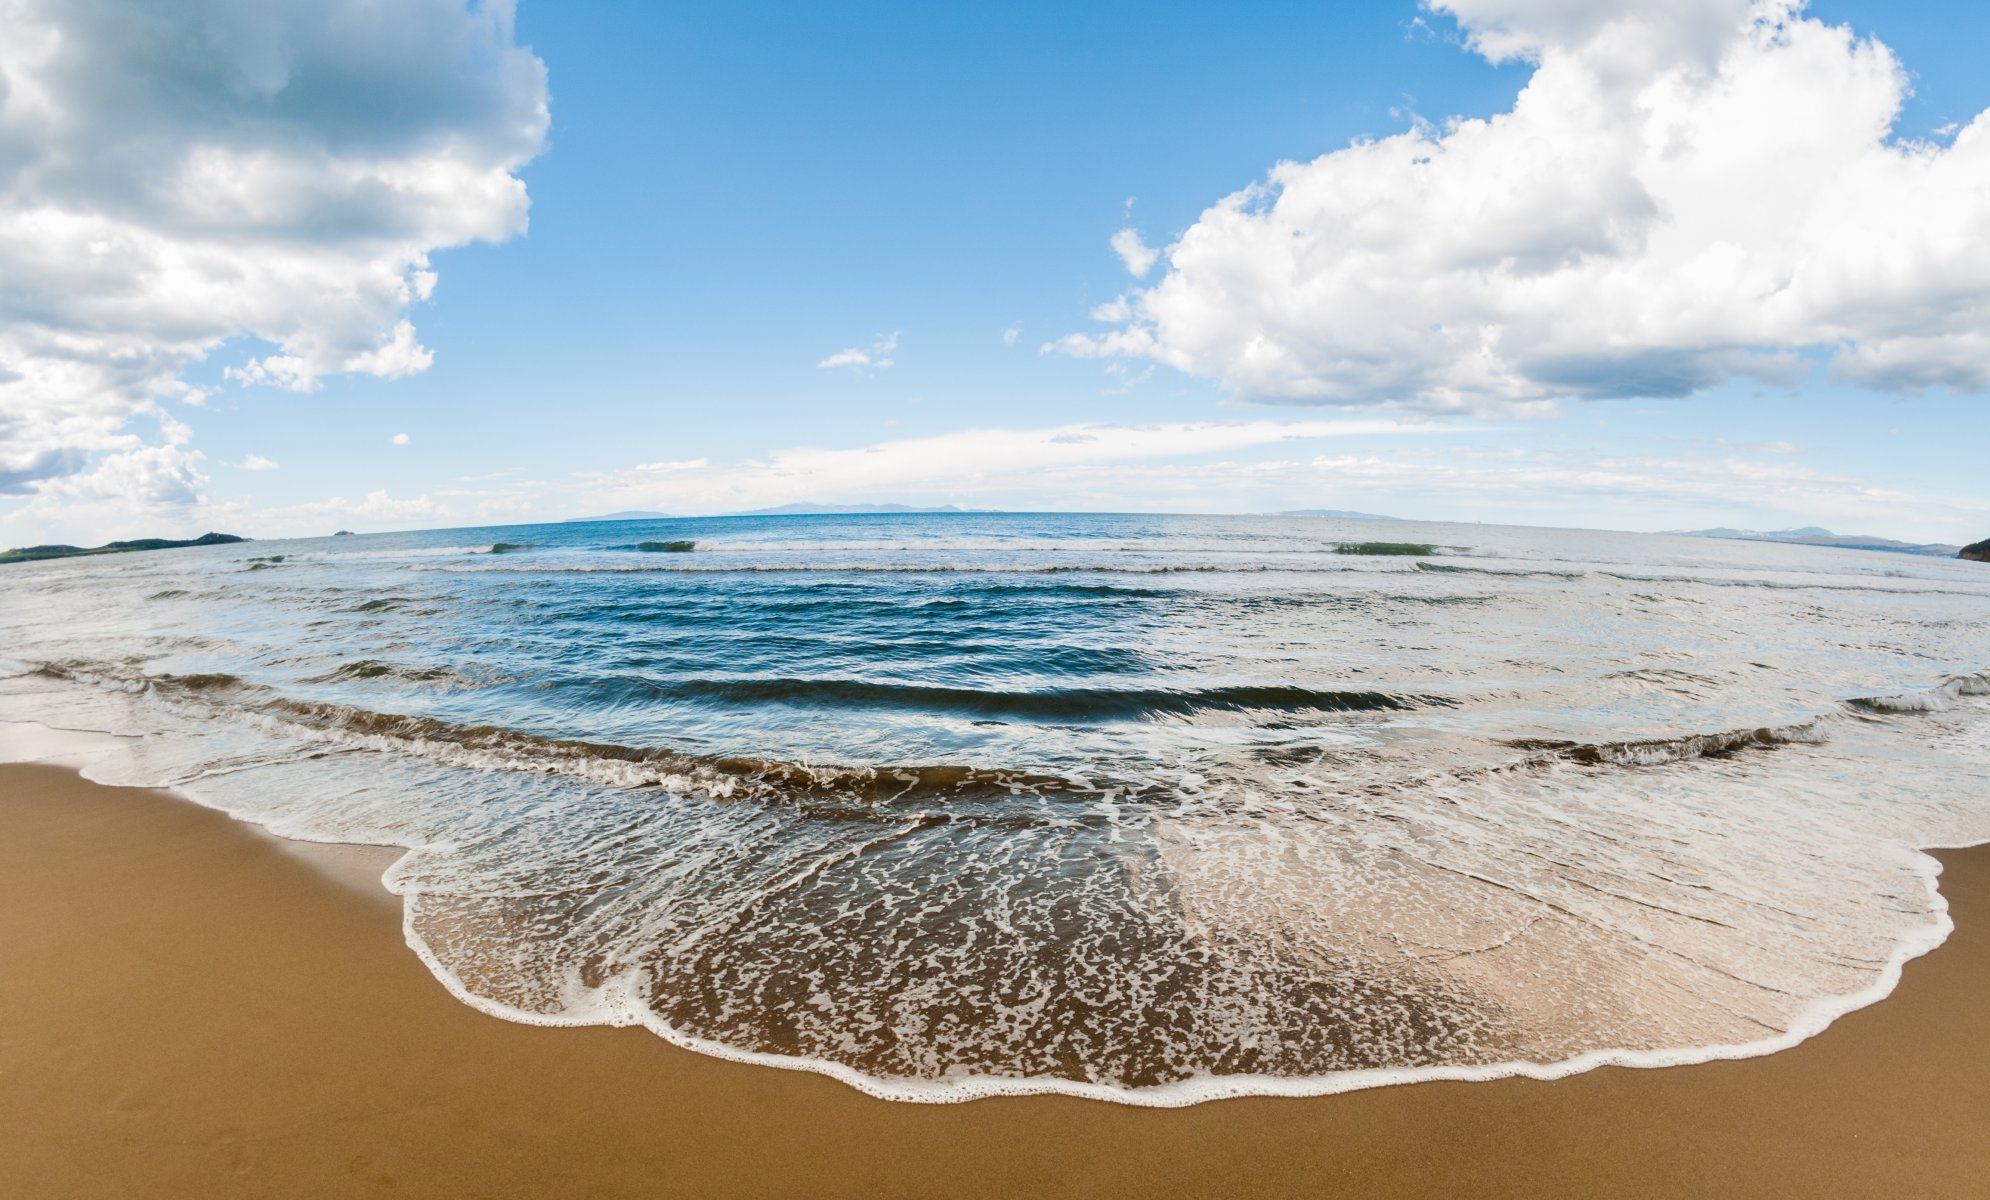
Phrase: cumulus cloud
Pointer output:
(1685, 191)
(1136, 255)
(877, 356)
(174, 175)
(399, 439)
(256, 462)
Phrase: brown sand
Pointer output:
(187, 1011)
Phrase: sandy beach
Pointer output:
(188, 1010)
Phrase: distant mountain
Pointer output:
(37, 553)
(1757, 535)
(1812, 535)
(632, 514)
(1339, 513)
(808, 509)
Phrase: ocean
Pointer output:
(1150, 808)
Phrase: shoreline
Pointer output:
(359, 868)
(188, 1010)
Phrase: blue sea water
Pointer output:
(1149, 807)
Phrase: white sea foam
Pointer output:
(618, 999)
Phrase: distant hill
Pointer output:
(1339, 513)
(1812, 535)
(809, 509)
(37, 553)
(632, 514)
(1980, 552)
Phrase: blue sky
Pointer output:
(727, 196)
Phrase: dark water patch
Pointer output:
(676, 546)
(1074, 591)
(509, 547)
(1401, 549)
(213, 681)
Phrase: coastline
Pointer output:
(188, 1009)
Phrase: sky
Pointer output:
(280, 267)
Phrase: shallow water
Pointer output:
(1157, 808)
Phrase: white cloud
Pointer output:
(1113, 311)
(876, 357)
(256, 462)
(173, 176)
(399, 439)
(1010, 335)
(1684, 192)
(376, 509)
(960, 463)
(1136, 255)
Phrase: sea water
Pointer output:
(1153, 808)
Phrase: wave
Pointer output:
(106, 676)
(381, 604)
(1938, 699)
(1050, 704)
(418, 552)
(373, 668)
(724, 778)
(1512, 572)
(1784, 586)
(1651, 752)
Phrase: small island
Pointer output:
(1980, 552)
(38, 553)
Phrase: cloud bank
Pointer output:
(968, 462)
(1411, 467)
(177, 173)
(1686, 191)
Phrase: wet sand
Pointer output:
(188, 1010)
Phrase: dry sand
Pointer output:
(186, 1010)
